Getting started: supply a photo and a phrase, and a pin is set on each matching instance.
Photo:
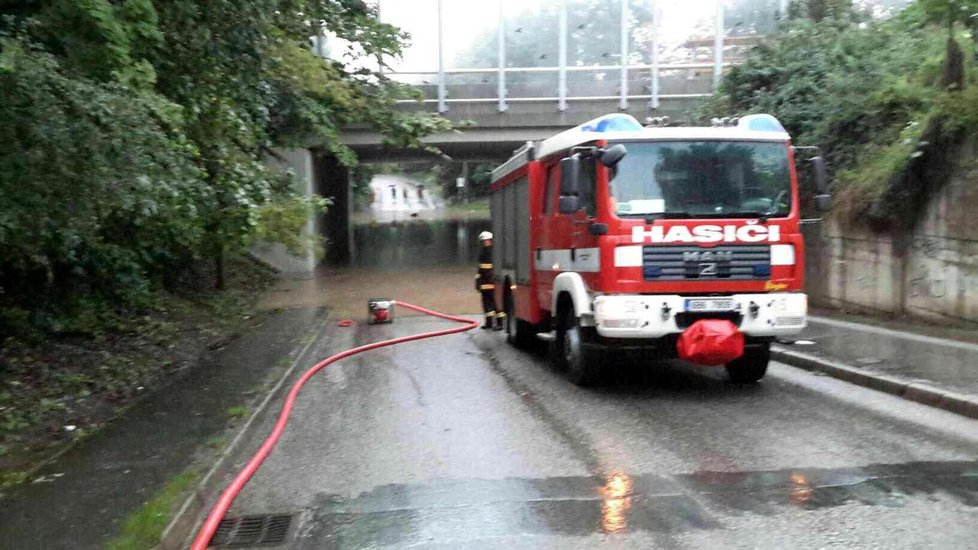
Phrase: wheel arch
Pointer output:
(571, 286)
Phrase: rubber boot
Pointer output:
(500, 317)
(488, 323)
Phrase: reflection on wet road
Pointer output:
(465, 442)
(405, 515)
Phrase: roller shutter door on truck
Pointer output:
(496, 212)
(509, 228)
(522, 228)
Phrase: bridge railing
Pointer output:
(693, 69)
(644, 83)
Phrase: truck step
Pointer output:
(547, 336)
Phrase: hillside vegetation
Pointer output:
(888, 100)
(134, 132)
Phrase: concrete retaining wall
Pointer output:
(300, 161)
(931, 273)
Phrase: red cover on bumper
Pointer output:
(711, 342)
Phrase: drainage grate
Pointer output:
(267, 530)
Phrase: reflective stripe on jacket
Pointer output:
(484, 277)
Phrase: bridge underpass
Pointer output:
(506, 72)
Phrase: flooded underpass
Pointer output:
(426, 262)
(413, 245)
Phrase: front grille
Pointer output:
(728, 262)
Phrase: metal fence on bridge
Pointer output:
(504, 52)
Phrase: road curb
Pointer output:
(177, 534)
(964, 405)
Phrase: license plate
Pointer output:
(710, 304)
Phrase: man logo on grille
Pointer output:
(708, 256)
(706, 262)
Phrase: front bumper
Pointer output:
(654, 316)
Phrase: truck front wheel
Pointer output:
(751, 366)
(573, 353)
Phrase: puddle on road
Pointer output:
(455, 511)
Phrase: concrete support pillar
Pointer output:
(442, 89)
(465, 176)
(501, 74)
(718, 47)
(301, 163)
(333, 180)
(654, 101)
(623, 92)
(562, 58)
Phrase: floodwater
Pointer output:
(413, 244)
(430, 263)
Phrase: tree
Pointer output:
(135, 132)
(950, 13)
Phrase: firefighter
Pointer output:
(485, 286)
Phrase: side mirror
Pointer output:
(821, 173)
(568, 204)
(570, 176)
(823, 202)
(611, 156)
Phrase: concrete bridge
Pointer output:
(641, 57)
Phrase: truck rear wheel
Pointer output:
(519, 333)
(751, 366)
(572, 353)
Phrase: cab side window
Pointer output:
(552, 182)
(587, 193)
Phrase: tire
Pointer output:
(519, 333)
(750, 367)
(571, 353)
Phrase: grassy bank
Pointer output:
(143, 529)
(65, 387)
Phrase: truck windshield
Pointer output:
(702, 179)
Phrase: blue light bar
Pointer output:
(611, 123)
(761, 123)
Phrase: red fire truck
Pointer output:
(614, 235)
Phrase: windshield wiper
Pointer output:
(744, 214)
(649, 218)
(712, 215)
(682, 215)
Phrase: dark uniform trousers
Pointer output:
(486, 287)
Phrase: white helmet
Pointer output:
(485, 236)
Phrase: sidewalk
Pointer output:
(924, 368)
(81, 499)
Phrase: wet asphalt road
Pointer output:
(464, 442)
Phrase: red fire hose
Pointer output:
(227, 497)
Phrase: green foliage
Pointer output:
(284, 221)
(100, 188)
(949, 12)
(870, 94)
(237, 411)
(135, 134)
(443, 175)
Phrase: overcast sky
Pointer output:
(464, 20)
